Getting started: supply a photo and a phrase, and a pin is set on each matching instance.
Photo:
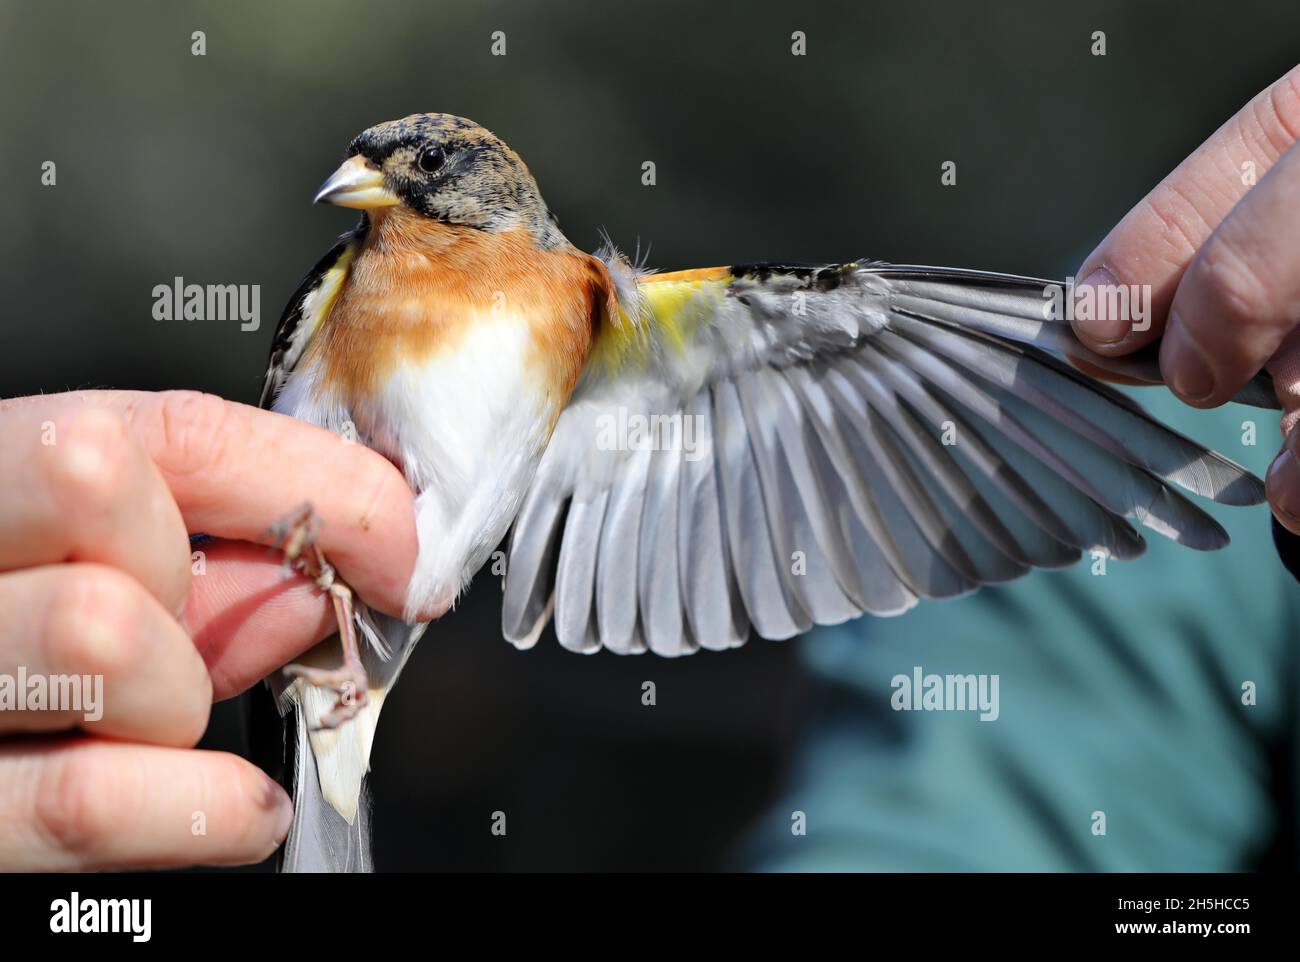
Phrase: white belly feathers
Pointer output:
(467, 426)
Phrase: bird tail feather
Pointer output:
(320, 839)
(324, 770)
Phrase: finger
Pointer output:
(1282, 484)
(235, 470)
(79, 804)
(1150, 248)
(79, 487)
(1284, 366)
(247, 618)
(1240, 298)
(96, 650)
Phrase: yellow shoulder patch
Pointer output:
(676, 303)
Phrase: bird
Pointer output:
(675, 461)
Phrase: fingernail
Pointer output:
(1092, 309)
(1184, 369)
(1282, 486)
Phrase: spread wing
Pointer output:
(307, 306)
(780, 446)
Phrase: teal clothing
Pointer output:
(1119, 694)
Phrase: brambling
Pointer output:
(682, 457)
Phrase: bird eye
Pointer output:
(431, 159)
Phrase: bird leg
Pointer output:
(295, 535)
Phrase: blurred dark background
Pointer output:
(203, 166)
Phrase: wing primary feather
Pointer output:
(1050, 542)
(1107, 480)
(1003, 303)
(1095, 528)
(938, 563)
(887, 521)
(899, 475)
(937, 462)
(880, 567)
(1123, 430)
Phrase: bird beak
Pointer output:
(356, 184)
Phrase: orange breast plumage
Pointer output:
(417, 287)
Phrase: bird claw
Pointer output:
(348, 681)
(295, 535)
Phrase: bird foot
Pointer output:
(295, 535)
(348, 681)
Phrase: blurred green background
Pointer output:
(203, 166)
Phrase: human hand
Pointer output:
(1217, 246)
(98, 490)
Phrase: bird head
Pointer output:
(442, 167)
